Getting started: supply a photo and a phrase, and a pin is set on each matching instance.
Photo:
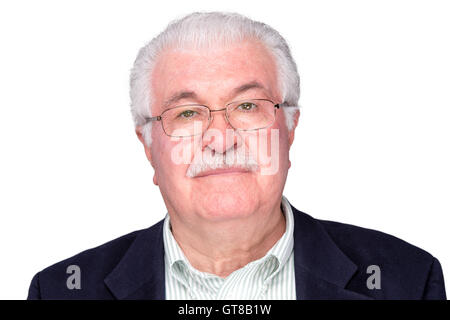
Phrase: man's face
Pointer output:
(211, 77)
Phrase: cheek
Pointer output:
(283, 134)
(171, 158)
(270, 148)
(273, 175)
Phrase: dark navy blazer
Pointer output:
(331, 261)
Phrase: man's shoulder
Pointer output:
(93, 264)
(108, 253)
(363, 244)
(406, 271)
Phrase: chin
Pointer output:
(225, 206)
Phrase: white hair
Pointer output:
(206, 30)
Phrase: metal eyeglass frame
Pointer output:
(159, 118)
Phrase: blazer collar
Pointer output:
(322, 270)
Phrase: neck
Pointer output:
(223, 247)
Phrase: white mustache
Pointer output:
(210, 160)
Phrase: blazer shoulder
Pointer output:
(105, 253)
(93, 264)
(369, 243)
(406, 270)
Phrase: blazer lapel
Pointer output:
(140, 273)
(322, 270)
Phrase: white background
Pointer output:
(371, 149)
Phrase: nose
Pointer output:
(219, 136)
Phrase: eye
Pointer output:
(187, 114)
(247, 106)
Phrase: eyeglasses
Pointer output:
(194, 119)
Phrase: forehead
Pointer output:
(213, 72)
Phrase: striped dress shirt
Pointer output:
(271, 277)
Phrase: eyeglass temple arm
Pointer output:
(148, 119)
(286, 105)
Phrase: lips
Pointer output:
(222, 171)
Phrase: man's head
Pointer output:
(237, 161)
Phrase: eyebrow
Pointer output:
(179, 96)
(192, 95)
(248, 86)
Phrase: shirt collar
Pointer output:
(181, 268)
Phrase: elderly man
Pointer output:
(214, 102)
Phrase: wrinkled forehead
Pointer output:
(214, 73)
